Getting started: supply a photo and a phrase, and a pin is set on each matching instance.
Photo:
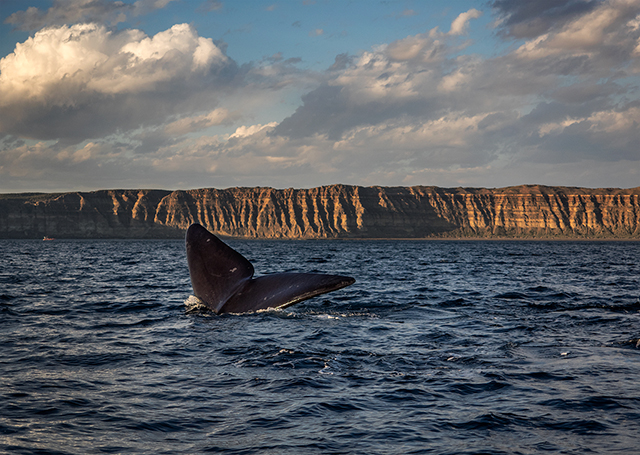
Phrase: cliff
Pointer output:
(336, 211)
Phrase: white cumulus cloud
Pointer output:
(460, 23)
(116, 80)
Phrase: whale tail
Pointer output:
(223, 279)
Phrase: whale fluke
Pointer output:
(223, 279)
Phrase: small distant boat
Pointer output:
(47, 238)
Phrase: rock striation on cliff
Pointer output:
(336, 211)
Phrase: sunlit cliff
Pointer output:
(336, 211)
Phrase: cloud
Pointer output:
(220, 116)
(408, 12)
(85, 80)
(74, 11)
(341, 62)
(607, 35)
(404, 13)
(211, 5)
(554, 107)
(141, 7)
(246, 131)
(460, 23)
(395, 81)
(529, 19)
(561, 97)
(427, 47)
(25, 165)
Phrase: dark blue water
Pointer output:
(439, 348)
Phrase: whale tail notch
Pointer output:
(223, 279)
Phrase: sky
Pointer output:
(182, 94)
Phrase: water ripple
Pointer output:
(438, 348)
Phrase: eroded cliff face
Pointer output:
(336, 211)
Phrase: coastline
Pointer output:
(334, 212)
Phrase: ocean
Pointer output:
(440, 347)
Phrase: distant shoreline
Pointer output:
(388, 239)
(334, 212)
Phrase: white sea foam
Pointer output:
(193, 303)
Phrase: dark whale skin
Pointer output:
(223, 279)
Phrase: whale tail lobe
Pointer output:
(223, 279)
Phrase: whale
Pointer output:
(223, 279)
